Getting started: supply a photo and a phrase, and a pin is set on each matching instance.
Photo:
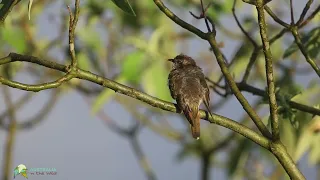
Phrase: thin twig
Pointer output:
(72, 26)
(311, 16)
(303, 50)
(304, 12)
(276, 18)
(254, 43)
(205, 17)
(291, 13)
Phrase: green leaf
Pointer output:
(155, 80)
(90, 36)
(288, 135)
(314, 156)
(83, 60)
(132, 67)
(105, 96)
(216, 10)
(311, 42)
(15, 38)
(125, 6)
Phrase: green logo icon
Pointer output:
(22, 170)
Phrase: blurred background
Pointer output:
(86, 131)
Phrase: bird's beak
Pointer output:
(171, 60)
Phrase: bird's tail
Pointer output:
(195, 127)
(193, 116)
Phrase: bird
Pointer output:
(189, 88)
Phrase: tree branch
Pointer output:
(294, 28)
(256, 91)
(297, 38)
(304, 12)
(269, 70)
(73, 20)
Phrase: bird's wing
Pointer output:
(189, 110)
(172, 80)
(206, 101)
(206, 98)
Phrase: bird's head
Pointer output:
(181, 61)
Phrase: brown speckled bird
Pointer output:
(188, 87)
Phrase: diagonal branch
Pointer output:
(254, 43)
(298, 41)
(311, 16)
(304, 12)
(256, 91)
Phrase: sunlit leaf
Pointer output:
(314, 156)
(90, 36)
(132, 67)
(125, 6)
(29, 8)
(83, 60)
(14, 37)
(154, 42)
(155, 80)
(288, 135)
(137, 42)
(304, 143)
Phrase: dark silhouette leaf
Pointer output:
(125, 6)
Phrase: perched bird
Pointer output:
(188, 87)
